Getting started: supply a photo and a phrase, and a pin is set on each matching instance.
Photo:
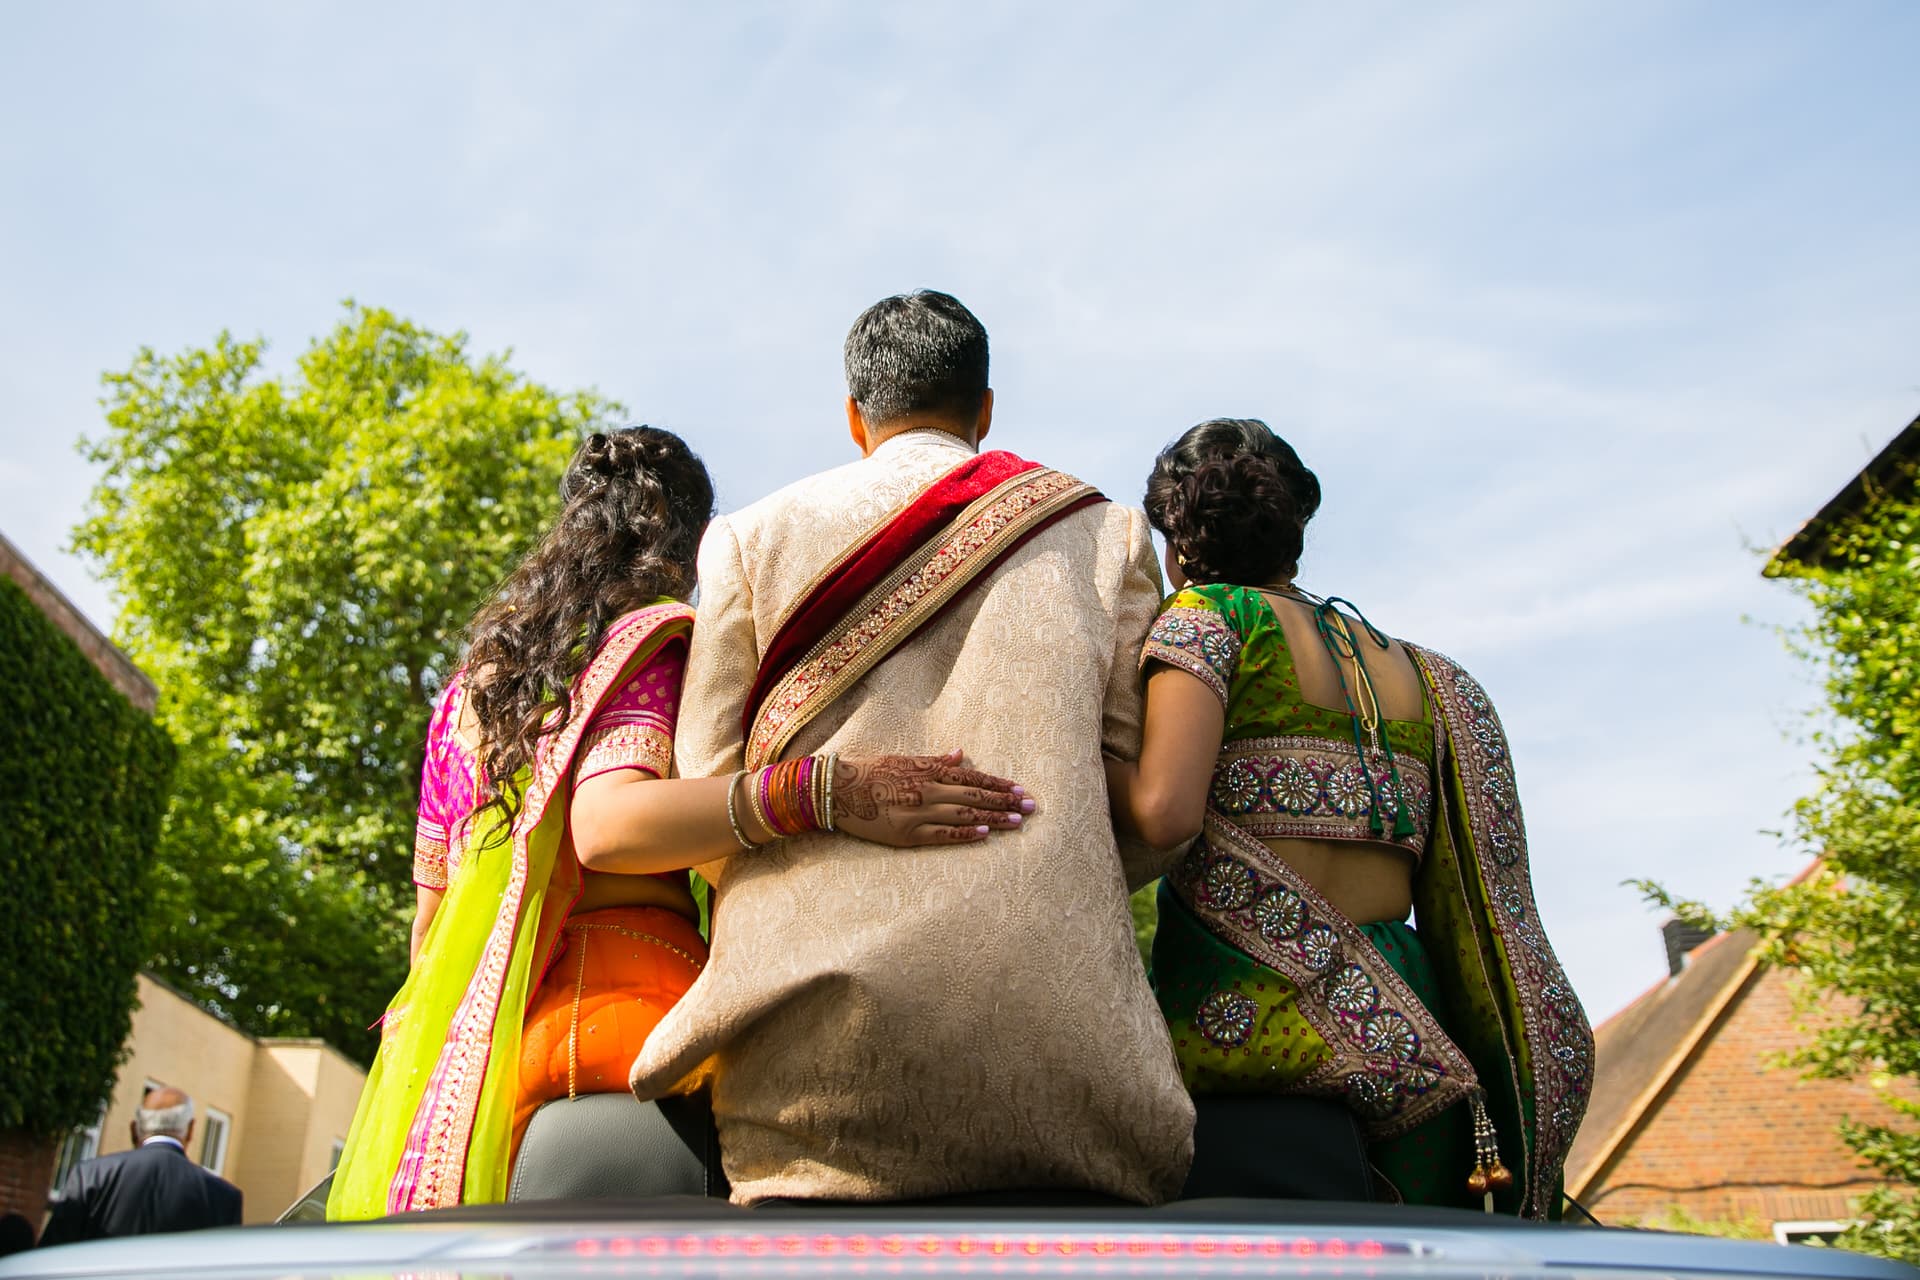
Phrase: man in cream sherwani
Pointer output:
(883, 1024)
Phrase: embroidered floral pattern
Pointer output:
(1230, 884)
(429, 857)
(895, 609)
(1226, 1019)
(1389, 1034)
(1280, 914)
(1391, 1061)
(1199, 642)
(1316, 788)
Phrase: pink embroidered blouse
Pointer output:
(633, 729)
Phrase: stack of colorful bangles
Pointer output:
(791, 798)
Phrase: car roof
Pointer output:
(689, 1237)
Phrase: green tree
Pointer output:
(295, 559)
(1853, 928)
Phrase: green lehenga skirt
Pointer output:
(1191, 966)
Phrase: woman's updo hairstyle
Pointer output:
(1233, 499)
(634, 504)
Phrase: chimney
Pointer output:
(1681, 938)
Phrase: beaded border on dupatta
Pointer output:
(1391, 1062)
(1554, 1022)
(432, 1168)
(909, 596)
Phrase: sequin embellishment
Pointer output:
(1301, 787)
(1230, 884)
(1226, 1019)
(1198, 641)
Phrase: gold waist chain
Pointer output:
(580, 982)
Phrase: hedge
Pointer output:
(83, 786)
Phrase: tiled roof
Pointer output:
(1638, 1050)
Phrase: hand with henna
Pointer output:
(905, 801)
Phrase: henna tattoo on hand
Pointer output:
(862, 788)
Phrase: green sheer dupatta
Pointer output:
(1511, 1008)
(434, 1125)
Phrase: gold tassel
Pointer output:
(1488, 1175)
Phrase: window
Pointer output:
(1808, 1232)
(82, 1144)
(213, 1140)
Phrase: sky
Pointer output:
(1574, 308)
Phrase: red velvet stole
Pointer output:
(950, 537)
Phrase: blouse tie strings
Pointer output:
(1363, 705)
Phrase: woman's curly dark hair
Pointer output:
(636, 501)
(1233, 499)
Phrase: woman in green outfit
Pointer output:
(1339, 782)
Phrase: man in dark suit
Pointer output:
(152, 1188)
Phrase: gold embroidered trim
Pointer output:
(430, 869)
(897, 607)
(834, 565)
(625, 746)
(1302, 786)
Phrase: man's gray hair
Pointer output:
(173, 1121)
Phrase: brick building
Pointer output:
(1690, 1112)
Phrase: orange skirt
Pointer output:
(619, 972)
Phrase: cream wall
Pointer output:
(175, 1042)
(303, 1097)
(288, 1100)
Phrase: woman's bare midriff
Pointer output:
(599, 890)
(1366, 883)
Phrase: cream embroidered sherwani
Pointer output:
(895, 1023)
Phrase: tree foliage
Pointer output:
(1853, 927)
(86, 785)
(295, 559)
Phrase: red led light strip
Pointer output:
(927, 1246)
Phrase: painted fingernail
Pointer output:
(1013, 819)
(980, 831)
(1019, 791)
(1026, 806)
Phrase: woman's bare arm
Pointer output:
(1162, 798)
(628, 821)
(426, 902)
